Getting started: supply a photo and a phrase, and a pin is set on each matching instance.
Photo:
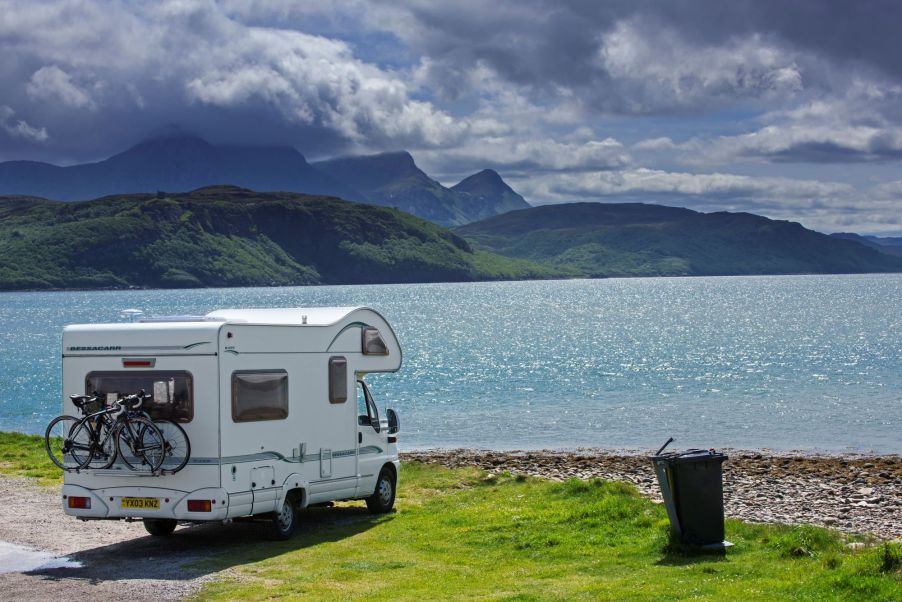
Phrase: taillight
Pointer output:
(199, 506)
(83, 503)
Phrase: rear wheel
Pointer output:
(140, 444)
(383, 498)
(160, 527)
(58, 442)
(285, 520)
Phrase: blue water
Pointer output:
(794, 362)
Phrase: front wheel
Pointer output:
(283, 524)
(383, 498)
(92, 444)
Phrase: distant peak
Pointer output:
(402, 159)
(485, 179)
(487, 174)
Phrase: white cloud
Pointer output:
(52, 84)
(858, 126)
(822, 205)
(19, 128)
(645, 181)
(655, 144)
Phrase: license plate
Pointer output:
(141, 503)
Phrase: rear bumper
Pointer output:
(107, 503)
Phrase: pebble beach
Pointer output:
(852, 493)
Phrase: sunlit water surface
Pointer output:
(794, 362)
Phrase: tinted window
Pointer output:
(338, 379)
(373, 343)
(172, 391)
(259, 395)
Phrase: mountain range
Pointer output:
(184, 163)
(229, 236)
(637, 239)
(142, 231)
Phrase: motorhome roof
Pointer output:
(293, 316)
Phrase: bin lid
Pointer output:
(689, 456)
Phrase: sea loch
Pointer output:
(785, 362)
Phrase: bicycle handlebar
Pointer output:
(135, 400)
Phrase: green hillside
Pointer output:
(634, 239)
(226, 236)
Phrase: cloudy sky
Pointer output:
(787, 109)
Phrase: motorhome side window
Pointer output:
(338, 379)
(259, 395)
(172, 391)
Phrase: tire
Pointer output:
(160, 527)
(58, 441)
(178, 448)
(148, 441)
(383, 498)
(285, 521)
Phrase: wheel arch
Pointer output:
(296, 487)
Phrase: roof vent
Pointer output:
(131, 314)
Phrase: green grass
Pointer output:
(24, 456)
(463, 534)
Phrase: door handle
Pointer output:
(359, 437)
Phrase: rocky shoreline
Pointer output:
(852, 493)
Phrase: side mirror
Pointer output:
(363, 420)
(394, 422)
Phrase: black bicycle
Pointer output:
(97, 439)
(120, 430)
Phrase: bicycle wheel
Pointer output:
(94, 445)
(178, 448)
(58, 441)
(140, 444)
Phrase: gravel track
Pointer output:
(119, 560)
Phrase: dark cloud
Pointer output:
(548, 45)
(538, 89)
(97, 75)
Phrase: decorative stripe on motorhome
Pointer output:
(270, 455)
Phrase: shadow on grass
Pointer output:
(676, 553)
(196, 551)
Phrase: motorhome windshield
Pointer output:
(172, 391)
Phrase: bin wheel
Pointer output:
(160, 527)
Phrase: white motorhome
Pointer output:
(267, 399)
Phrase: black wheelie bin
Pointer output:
(692, 485)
